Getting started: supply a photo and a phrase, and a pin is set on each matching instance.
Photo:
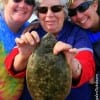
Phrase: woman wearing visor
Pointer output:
(85, 13)
(12, 23)
(72, 41)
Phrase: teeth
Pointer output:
(83, 21)
(21, 11)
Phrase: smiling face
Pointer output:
(17, 12)
(87, 19)
(51, 21)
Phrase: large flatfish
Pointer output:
(48, 76)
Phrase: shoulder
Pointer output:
(26, 24)
(73, 27)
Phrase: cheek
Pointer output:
(74, 19)
(60, 24)
(60, 19)
(42, 21)
(41, 18)
(30, 10)
(9, 8)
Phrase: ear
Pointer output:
(95, 5)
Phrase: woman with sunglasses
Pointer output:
(12, 23)
(84, 13)
(72, 41)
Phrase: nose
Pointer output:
(22, 3)
(49, 12)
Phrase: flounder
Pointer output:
(48, 76)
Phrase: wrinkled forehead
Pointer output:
(61, 2)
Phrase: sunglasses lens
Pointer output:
(29, 2)
(56, 8)
(16, 1)
(42, 10)
(72, 12)
(81, 8)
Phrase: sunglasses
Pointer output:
(28, 2)
(81, 8)
(54, 9)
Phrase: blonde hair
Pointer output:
(71, 1)
(4, 1)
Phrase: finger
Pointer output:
(73, 50)
(36, 36)
(30, 39)
(23, 37)
(19, 41)
(71, 53)
(33, 25)
(61, 46)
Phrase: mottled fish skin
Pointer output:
(48, 76)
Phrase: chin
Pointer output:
(51, 30)
(87, 26)
(84, 27)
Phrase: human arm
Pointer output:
(26, 45)
(17, 60)
(81, 63)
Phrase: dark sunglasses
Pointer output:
(81, 8)
(28, 2)
(54, 9)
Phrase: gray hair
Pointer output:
(63, 2)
